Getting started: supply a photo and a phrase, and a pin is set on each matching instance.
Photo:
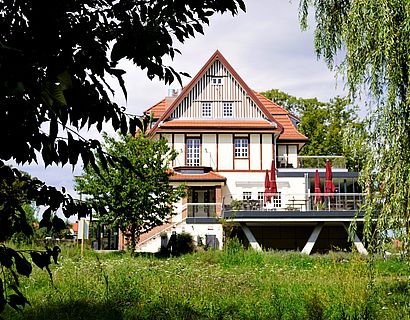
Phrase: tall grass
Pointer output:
(229, 284)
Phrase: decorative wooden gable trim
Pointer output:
(229, 91)
(217, 66)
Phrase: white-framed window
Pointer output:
(206, 109)
(241, 147)
(216, 80)
(276, 200)
(227, 110)
(246, 195)
(193, 151)
(261, 195)
(273, 200)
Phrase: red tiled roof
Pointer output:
(158, 109)
(289, 130)
(275, 113)
(272, 107)
(209, 176)
(281, 115)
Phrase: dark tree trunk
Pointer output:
(133, 240)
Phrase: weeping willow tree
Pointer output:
(368, 41)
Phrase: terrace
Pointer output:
(346, 200)
(277, 205)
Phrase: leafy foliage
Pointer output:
(368, 40)
(136, 197)
(54, 61)
(324, 123)
(53, 74)
(15, 264)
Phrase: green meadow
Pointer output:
(229, 284)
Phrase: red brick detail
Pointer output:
(218, 199)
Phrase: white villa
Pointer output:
(227, 137)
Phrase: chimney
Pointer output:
(173, 93)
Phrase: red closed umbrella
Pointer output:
(329, 186)
(273, 186)
(318, 192)
(267, 186)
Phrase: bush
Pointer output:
(185, 243)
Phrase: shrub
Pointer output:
(185, 243)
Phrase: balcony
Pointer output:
(278, 206)
(295, 161)
(297, 202)
(203, 210)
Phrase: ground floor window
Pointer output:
(276, 200)
(247, 195)
(273, 200)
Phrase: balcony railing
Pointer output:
(298, 202)
(204, 210)
(206, 161)
(294, 161)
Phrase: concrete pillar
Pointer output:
(252, 241)
(357, 242)
(307, 249)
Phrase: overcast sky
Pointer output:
(264, 45)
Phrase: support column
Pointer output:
(185, 210)
(307, 249)
(252, 241)
(357, 242)
(218, 200)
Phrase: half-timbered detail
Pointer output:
(239, 157)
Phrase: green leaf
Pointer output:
(41, 260)
(17, 302)
(62, 151)
(64, 79)
(55, 253)
(6, 256)
(118, 73)
(58, 224)
(45, 222)
(2, 297)
(53, 127)
(124, 127)
(23, 267)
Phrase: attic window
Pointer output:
(216, 80)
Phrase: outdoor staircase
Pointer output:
(151, 241)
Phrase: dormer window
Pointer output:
(216, 80)
(206, 110)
